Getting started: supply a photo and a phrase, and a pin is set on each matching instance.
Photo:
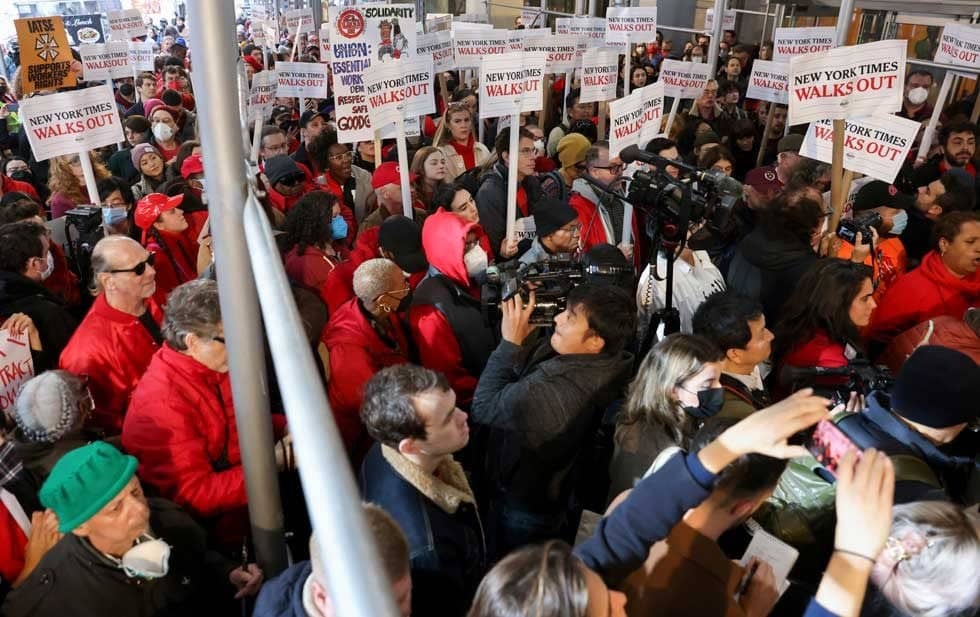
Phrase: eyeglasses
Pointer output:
(527, 151)
(574, 230)
(139, 268)
(611, 168)
(341, 156)
(291, 180)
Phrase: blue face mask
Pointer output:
(338, 227)
(899, 222)
(113, 215)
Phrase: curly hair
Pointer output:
(62, 180)
(308, 222)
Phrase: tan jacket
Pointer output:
(454, 162)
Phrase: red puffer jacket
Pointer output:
(928, 291)
(112, 349)
(181, 427)
(357, 351)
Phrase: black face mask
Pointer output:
(405, 303)
(710, 402)
(22, 175)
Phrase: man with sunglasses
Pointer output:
(121, 332)
(287, 182)
(599, 209)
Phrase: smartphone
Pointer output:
(829, 445)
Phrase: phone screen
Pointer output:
(829, 445)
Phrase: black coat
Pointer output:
(19, 294)
(75, 579)
(491, 202)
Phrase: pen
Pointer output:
(744, 585)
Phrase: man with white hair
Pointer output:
(301, 591)
(121, 332)
(363, 336)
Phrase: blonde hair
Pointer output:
(651, 400)
(443, 135)
(62, 180)
(941, 577)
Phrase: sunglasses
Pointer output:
(291, 180)
(139, 268)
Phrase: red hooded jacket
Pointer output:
(928, 291)
(443, 239)
(357, 351)
(951, 332)
(175, 263)
(112, 349)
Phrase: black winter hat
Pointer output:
(550, 215)
(937, 387)
(402, 237)
(280, 167)
(877, 193)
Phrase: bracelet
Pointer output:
(862, 556)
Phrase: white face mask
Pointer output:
(899, 222)
(148, 559)
(162, 131)
(539, 146)
(918, 96)
(48, 268)
(475, 261)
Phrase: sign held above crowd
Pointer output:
(46, 60)
(873, 145)
(791, 42)
(71, 122)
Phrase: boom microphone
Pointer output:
(722, 183)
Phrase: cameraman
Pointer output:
(558, 229)
(934, 398)
(888, 208)
(544, 401)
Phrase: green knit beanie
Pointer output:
(83, 481)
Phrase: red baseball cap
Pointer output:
(388, 173)
(192, 165)
(149, 209)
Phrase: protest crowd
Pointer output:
(683, 368)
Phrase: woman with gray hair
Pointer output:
(49, 414)
(930, 563)
(365, 335)
(181, 419)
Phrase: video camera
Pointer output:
(858, 376)
(83, 227)
(551, 281)
(848, 229)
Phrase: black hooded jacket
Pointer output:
(19, 294)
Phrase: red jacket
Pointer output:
(112, 349)
(339, 285)
(357, 352)
(443, 239)
(928, 291)
(818, 351)
(181, 427)
(9, 185)
(175, 263)
(63, 283)
(310, 269)
(947, 331)
(593, 228)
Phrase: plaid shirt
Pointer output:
(10, 464)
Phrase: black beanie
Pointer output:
(550, 215)
(937, 387)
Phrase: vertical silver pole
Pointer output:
(765, 22)
(777, 22)
(420, 13)
(317, 6)
(594, 8)
(224, 166)
(844, 21)
(719, 27)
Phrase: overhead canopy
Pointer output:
(949, 8)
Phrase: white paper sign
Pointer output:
(71, 122)
(16, 367)
(511, 83)
(847, 81)
(563, 25)
(532, 18)
(439, 45)
(769, 82)
(471, 46)
(625, 122)
(105, 61)
(960, 45)
(559, 50)
(141, 55)
(684, 80)
(299, 21)
(873, 145)
(262, 94)
(324, 41)
(402, 89)
(629, 25)
(599, 68)
(303, 79)
(653, 111)
(791, 42)
(125, 25)
(727, 23)
(593, 28)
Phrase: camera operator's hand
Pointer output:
(855, 404)
(766, 431)
(865, 490)
(627, 251)
(515, 325)
(863, 251)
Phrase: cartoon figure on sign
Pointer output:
(393, 43)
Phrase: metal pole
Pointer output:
(593, 8)
(540, 11)
(354, 573)
(224, 165)
(777, 21)
(317, 6)
(765, 22)
(940, 65)
(719, 26)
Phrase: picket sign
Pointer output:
(16, 367)
(126, 24)
(439, 45)
(301, 79)
(769, 81)
(299, 21)
(958, 45)
(727, 21)
(396, 91)
(791, 42)
(682, 80)
(470, 46)
(599, 67)
(262, 94)
(653, 112)
(875, 146)
(847, 82)
(625, 122)
(105, 60)
(625, 25)
(510, 83)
